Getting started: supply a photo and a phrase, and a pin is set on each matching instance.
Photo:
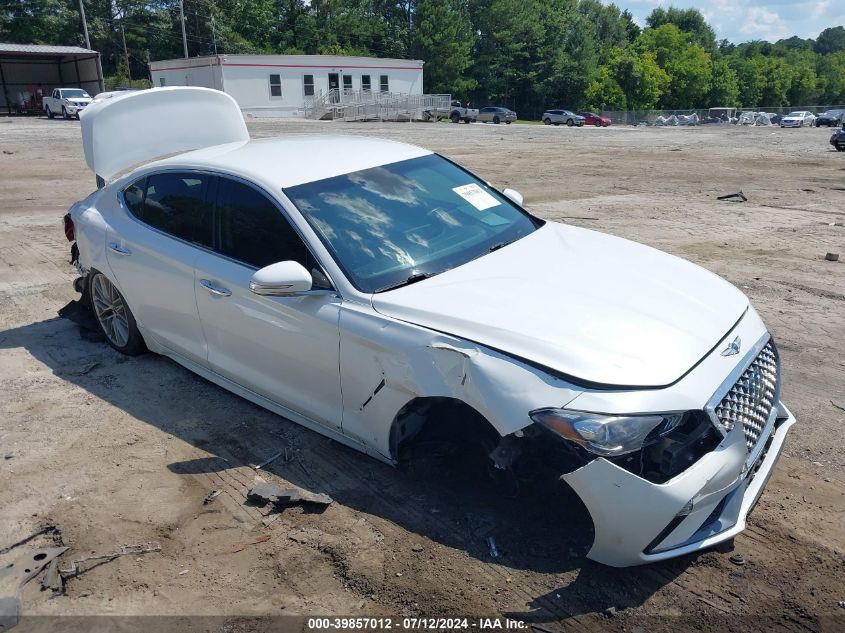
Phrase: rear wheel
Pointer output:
(547, 121)
(49, 112)
(114, 316)
(455, 117)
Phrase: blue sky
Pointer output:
(743, 20)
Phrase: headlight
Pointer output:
(606, 435)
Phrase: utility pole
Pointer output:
(213, 36)
(84, 25)
(100, 84)
(125, 51)
(182, 19)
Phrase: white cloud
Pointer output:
(760, 23)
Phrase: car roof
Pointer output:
(287, 162)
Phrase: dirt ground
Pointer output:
(118, 451)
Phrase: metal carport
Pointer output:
(26, 69)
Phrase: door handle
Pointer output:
(215, 290)
(117, 248)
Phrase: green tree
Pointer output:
(687, 20)
(687, 64)
(831, 40)
(724, 90)
(443, 34)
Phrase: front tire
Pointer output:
(496, 120)
(569, 122)
(65, 115)
(114, 316)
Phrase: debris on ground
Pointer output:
(270, 460)
(239, 547)
(83, 316)
(51, 579)
(730, 196)
(737, 559)
(211, 496)
(74, 571)
(264, 492)
(832, 257)
(838, 405)
(15, 571)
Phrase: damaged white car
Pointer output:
(365, 288)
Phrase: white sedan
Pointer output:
(368, 289)
(798, 119)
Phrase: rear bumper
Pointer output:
(638, 522)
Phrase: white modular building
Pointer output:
(285, 85)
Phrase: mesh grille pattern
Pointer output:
(751, 399)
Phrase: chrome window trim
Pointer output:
(728, 384)
(207, 172)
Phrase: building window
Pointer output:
(162, 82)
(384, 85)
(365, 83)
(347, 83)
(308, 85)
(275, 85)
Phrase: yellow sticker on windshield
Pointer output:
(476, 196)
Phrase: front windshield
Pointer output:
(73, 94)
(422, 216)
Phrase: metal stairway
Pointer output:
(365, 105)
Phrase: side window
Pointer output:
(384, 85)
(253, 230)
(176, 204)
(365, 83)
(134, 197)
(162, 81)
(308, 85)
(347, 83)
(275, 85)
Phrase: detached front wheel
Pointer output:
(115, 318)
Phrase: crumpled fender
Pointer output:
(628, 512)
(386, 363)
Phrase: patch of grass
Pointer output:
(526, 122)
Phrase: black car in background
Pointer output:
(838, 140)
(831, 118)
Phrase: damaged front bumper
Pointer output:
(637, 521)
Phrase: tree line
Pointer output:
(525, 54)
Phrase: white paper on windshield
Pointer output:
(476, 196)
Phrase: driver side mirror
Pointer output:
(513, 195)
(281, 279)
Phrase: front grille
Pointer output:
(752, 397)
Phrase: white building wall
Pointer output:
(248, 78)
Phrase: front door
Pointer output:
(334, 86)
(151, 251)
(283, 348)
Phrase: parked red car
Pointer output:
(591, 118)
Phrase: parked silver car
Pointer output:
(494, 114)
(557, 117)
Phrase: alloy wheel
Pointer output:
(110, 310)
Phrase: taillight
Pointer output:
(70, 230)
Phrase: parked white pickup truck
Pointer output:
(66, 101)
(456, 112)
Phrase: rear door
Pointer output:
(283, 348)
(152, 248)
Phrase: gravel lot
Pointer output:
(118, 450)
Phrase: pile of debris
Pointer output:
(677, 119)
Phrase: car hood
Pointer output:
(596, 308)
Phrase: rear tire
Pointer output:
(49, 112)
(114, 316)
(455, 117)
(547, 121)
